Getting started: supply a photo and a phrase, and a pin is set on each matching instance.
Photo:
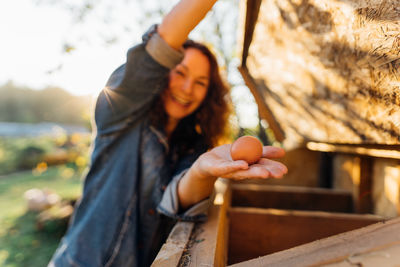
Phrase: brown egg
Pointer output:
(247, 148)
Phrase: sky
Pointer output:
(32, 44)
(33, 39)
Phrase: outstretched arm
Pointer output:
(198, 182)
(182, 19)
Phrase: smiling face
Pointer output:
(188, 85)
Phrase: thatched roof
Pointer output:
(325, 71)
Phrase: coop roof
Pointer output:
(324, 71)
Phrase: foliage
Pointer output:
(119, 21)
(29, 157)
(21, 104)
(21, 244)
(36, 154)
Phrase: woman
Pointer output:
(151, 165)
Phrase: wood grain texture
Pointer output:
(291, 197)
(378, 243)
(208, 245)
(256, 232)
(171, 252)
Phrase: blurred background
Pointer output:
(55, 58)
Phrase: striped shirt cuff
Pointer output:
(169, 204)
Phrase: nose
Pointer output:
(188, 86)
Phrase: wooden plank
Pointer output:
(364, 202)
(291, 197)
(252, 9)
(256, 232)
(378, 151)
(263, 108)
(380, 240)
(171, 252)
(221, 251)
(388, 256)
(208, 246)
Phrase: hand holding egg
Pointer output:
(246, 158)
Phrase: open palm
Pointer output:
(218, 163)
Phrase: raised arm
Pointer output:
(182, 19)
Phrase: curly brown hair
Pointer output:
(210, 122)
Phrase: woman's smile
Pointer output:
(180, 100)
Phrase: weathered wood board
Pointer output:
(171, 252)
(291, 198)
(254, 232)
(206, 245)
(374, 245)
(236, 234)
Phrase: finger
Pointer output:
(277, 169)
(222, 151)
(273, 152)
(254, 172)
(222, 168)
(269, 162)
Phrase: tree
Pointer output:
(21, 104)
(118, 20)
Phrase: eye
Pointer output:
(180, 73)
(201, 83)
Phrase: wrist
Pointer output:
(200, 171)
(194, 186)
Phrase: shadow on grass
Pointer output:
(24, 245)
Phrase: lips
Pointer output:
(180, 100)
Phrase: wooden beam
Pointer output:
(171, 252)
(252, 10)
(209, 243)
(378, 151)
(263, 108)
(291, 197)
(364, 203)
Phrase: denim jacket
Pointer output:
(129, 202)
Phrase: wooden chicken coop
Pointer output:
(326, 78)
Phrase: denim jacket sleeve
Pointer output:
(133, 86)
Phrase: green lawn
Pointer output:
(21, 244)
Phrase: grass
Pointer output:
(21, 244)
